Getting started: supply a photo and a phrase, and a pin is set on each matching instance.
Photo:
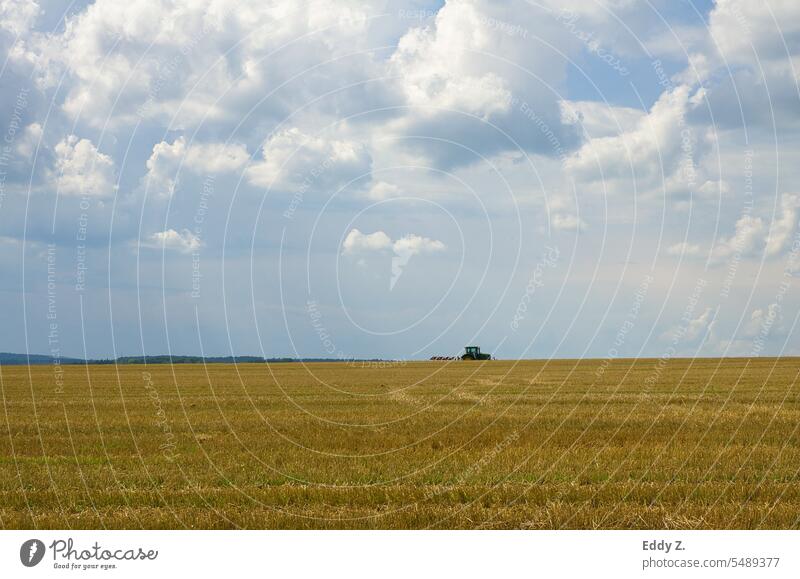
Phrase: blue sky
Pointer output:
(400, 179)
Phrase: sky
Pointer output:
(399, 180)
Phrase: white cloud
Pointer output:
(28, 140)
(184, 241)
(700, 325)
(82, 170)
(37, 56)
(471, 77)
(413, 244)
(599, 119)
(751, 236)
(356, 241)
(216, 157)
(567, 222)
(564, 214)
(699, 67)
(685, 248)
(167, 159)
(17, 16)
(764, 330)
(714, 188)
(748, 238)
(162, 165)
(179, 64)
(407, 247)
(689, 331)
(762, 321)
(187, 62)
(292, 160)
(438, 67)
(748, 58)
(381, 190)
(403, 249)
(745, 31)
(661, 145)
(782, 228)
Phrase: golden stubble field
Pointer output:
(535, 445)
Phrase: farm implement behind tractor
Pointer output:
(470, 353)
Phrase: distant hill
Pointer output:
(9, 359)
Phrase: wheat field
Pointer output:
(709, 443)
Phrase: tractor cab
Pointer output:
(474, 353)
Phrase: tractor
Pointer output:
(474, 353)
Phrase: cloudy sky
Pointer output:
(400, 179)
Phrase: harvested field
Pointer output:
(698, 444)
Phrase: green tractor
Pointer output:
(474, 353)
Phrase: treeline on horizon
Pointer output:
(10, 359)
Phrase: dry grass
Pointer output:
(710, 444)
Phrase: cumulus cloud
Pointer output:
(763, 330)
(748, 238)
(186, 62)
(438, 68)
(161, 167)
(751, 236)
(82, 170)
(167, 159)
(744, 31)
(216, 157)
(407, 247)
(659, 145)
(403, 249)
(17, 16)
(470, 77)
(567, 222)
(356, 241)
(747, 58)
(762, 320)
(598, 119)
(413, 244)
(564, 214)
(181, 64)
(714, 188)
(28, 140)
(381, 190)
(685, 249)
(293, 160)
(183, 242)
(780, 232)
(692, 329)
(700, 325)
